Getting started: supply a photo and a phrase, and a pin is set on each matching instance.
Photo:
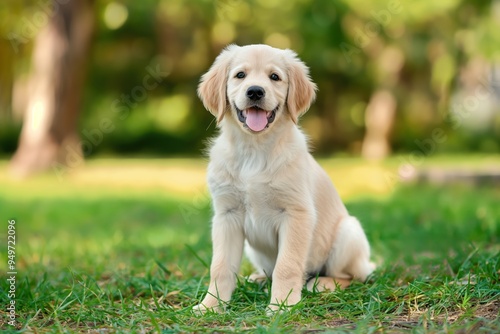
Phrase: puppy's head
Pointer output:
(257, 86)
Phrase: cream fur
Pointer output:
(268, 191)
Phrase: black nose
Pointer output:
(255, 93)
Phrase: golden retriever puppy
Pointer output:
(269, 194)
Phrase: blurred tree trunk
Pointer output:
(49, 136)
(379, 119)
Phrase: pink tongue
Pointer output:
(256, 119)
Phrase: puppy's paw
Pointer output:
(209, 304)
(257, 278)
(282, 305)
(201, 309)
(273, 309)
(260, 280)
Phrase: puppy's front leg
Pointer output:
(295, 236)
(228, 240)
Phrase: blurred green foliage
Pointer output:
(148, 55)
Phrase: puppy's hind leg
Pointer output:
(350, 255)
(348, 260)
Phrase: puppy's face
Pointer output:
(258, 86)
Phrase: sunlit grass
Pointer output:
(184, 179)
(179, 178)
(125, 245)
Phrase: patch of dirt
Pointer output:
(488, 311)
(339, 324)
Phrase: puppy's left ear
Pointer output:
(212, 87)
(301, 89)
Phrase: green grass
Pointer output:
(130, 252)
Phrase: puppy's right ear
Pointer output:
(212, 87)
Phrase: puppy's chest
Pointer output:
(264, 205)
(263, 216)
(260, 192)
(258, 189)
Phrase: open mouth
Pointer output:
(256, 118)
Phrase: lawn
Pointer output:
(124, 245)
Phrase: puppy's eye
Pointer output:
(240, 75)
(274, 77)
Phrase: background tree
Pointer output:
(431, 57)
(54, 88)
